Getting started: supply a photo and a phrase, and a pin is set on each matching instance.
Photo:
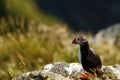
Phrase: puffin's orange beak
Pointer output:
(74, 41)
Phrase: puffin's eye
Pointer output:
(78, 39)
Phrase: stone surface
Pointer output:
(110, 35)
(68, 71)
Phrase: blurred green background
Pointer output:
(30, 39)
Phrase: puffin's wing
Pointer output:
(94, 59)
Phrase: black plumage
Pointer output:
(91, 62)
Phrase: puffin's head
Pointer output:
(79, 40)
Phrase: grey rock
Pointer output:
(68, 71)
(110, 35)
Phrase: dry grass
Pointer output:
(21, 52)
(108, 53)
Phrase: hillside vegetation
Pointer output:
(29, 39)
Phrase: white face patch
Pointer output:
(80, 40)
(79, 56)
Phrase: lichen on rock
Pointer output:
(68, 71)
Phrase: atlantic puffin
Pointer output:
(90, 61)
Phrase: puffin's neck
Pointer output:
(84, 48)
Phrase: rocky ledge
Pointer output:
(68, 71)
